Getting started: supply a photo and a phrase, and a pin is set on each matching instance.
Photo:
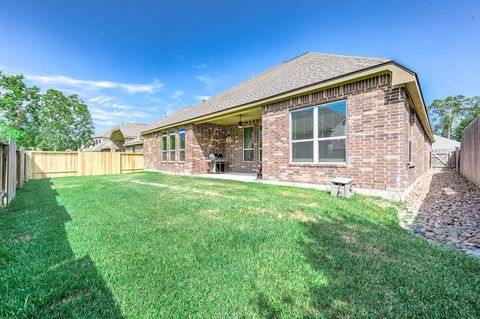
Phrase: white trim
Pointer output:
(243, 144)
(174, 134)
(166, 147)
(316, 139)
(260, 145)
(184, 142)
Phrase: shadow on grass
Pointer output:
(381, 271)
(40, 275)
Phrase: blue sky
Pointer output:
(135, 60)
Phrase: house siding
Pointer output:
(377, 140)
(377, 150)
(421, 148)
(234, 150)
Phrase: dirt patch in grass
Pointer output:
(301, 216)
(187, 189)
(67, 186)
(210, 213)
(295, 194)
(71, 297)
(21, 237)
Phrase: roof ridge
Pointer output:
(295, 58)
(302, 70)
(346, 56)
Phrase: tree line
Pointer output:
(53, 121)
(450, 116)
(49, 121)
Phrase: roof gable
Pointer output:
(305, 70)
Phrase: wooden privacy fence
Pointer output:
(470, 152)
(57, 164)
(445, 158)
(12, 170)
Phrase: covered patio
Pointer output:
(231, 145)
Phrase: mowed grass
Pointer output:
(149, 245)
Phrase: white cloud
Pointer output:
(101, 99)
(208, 80)
(200, 66)
(115, 117)
(109, 102)
(202, 97)
(155, 99)
(96, 85)
(105, 123)
(153, 108)
(177, 94)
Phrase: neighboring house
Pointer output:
(444, 144)
(120, 138)
(307, 120)
(134, 146)
(101, 137)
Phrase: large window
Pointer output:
(248, 144)
(260, 143)
(172, 145)
(164, 147)
(318, 134)
(181, 145)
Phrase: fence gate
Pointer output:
(440, 159)
(444, 158)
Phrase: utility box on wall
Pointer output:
(342, 187)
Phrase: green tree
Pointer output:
(471, 112)
(445, 114)
(19, 110)
(65, 122)
(450, 115)
(49, 121)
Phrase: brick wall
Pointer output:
(421, 147)
(377, 140)
(376, 146)
(152, 150)
(234, 150)
(206, 139)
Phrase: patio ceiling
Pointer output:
(233, 118)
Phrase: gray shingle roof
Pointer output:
(307, 69)
(135, 141)
(104, 133)
(96, 148)
(131, 130)
(443, 143)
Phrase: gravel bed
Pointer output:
(444, 207)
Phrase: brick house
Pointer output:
(307, 120)
(120, 138)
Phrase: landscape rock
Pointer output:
(446, 207)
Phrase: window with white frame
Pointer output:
(248, 144)
(172, 145)
(412, 123)
(164, 147)
(318, 134)
(260, 143)
(181, 145)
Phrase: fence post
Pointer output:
(79, 164)
(11, 171)
(457, 159)
(116, 157)
(21, 178)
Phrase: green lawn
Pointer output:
(149, 245)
